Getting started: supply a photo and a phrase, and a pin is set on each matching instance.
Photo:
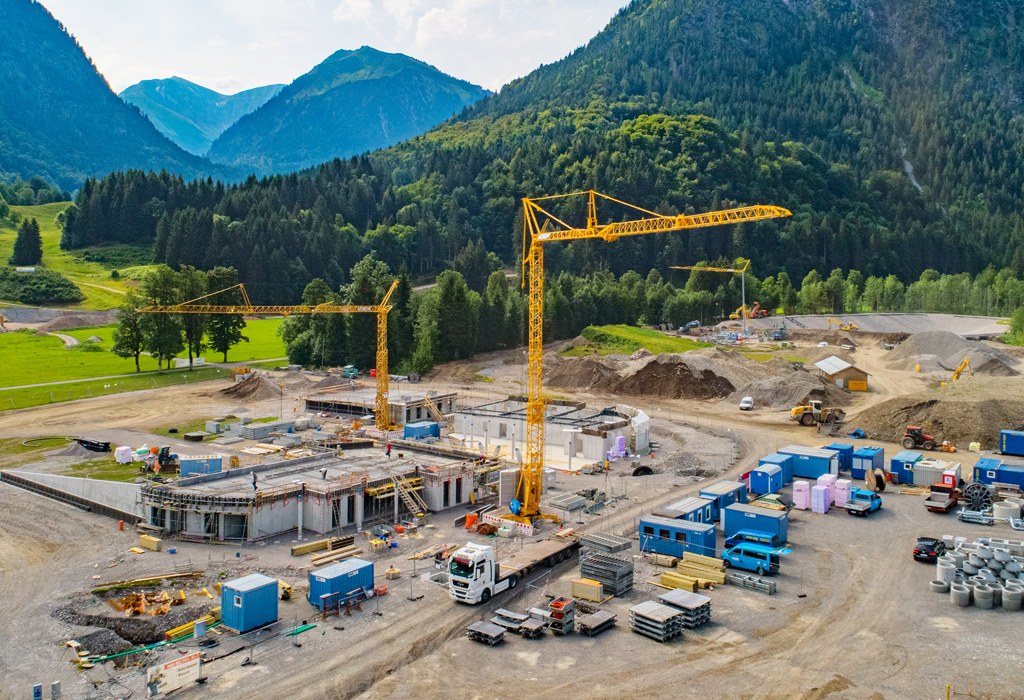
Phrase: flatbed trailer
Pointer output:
(543, 553)
(474, 575)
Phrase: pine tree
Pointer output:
(28, 246)
(192, 284)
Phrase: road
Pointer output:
(68, 340)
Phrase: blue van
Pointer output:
(752, 557)
(753, 537)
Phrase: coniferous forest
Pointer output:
(892, 131)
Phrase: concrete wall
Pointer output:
(113, 494)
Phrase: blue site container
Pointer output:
(784, 462)
(767, 478)
(723, 494)
(1011, 442)
(997, 471)
(421, 430)
(742, 517)
(200, 464)
(867, 458)
(696, 510)
(248, 602)
(676, 537)
(901, 466)
(336, 583)
(845, 455)
(810, 463)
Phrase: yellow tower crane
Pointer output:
(383, 412)
(741, 312)
(553, 230)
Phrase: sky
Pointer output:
(233, 45)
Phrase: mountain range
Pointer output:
(191, 115)
(60, 120)
(353, 102)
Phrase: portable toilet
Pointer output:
(845, 455)
(248, 602)
(766, 478)
(810, 463)
(743, 517)
(723, 494)
(696, 510)
(785, 462)
(901, 466)
(867, 458)
(1011, 442)
(674, 537)
(334, 584)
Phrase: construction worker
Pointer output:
(388, 450)
(253, 481)
(323, 473)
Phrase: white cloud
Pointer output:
(350, 10)
(403, 12)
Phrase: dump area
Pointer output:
(972, 409)
(708, 373)
(256, 387)
(79, 320)
(937, 351)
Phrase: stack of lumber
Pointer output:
(151, 543)
(706, 570)
(335, 555)
(661, 559)
(587, 590)
(330, 544)
(671, 579)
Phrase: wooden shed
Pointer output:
(843, 374)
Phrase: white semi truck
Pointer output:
(474, 575)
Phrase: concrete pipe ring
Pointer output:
(995, 565)
(987, 574)
(1010, 604)
(945, 559)
(945, 573)
(983, 597)
(1007, 576)
(1013, 593)
(1003, 556)
(958, 559)
(1014, 567)
(969, 569)
(985, 552)
(939, 587)
(1005, 510)
(997, 594)
(960, 595)
(975, 560)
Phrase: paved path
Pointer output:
(227, 365)
(68, 340)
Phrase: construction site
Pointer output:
(600, 525)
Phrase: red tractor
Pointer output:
(915, 437)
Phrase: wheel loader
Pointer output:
(815, 413)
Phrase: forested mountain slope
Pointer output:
(806, 104)
(353, 102)
(59, 118)
(191, 115)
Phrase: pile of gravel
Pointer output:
(944, 351)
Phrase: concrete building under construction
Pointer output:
(321, 493)
(581, 432)
(407, 405)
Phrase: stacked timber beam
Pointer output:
(330, 544)
(705, 570)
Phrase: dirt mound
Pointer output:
(948, 350)
(795, 389)
(581, 372)
(333, 380)
(76, 452)
(255, 388)
(640, 354)
(77, 320)
(104, 641)
(673, 376)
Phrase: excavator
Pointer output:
(842, 326)
(965, 365)
(755, 312)
(2, 320)
(815, 413)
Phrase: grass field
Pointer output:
(36, 358)
(625, 340)
(92, 278)
(11, 399)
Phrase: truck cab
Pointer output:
(862, 502)
(473, 576)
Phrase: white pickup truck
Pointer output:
(474, 575)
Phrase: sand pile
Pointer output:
(333, 380)
(76, 452)
(579, 372)
(948, 350)
(255, 388)
(795, 389)
(672, 376)
(818, 354)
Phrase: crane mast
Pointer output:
(535, 235)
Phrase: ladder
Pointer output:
(407, 492)
(434, 410)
